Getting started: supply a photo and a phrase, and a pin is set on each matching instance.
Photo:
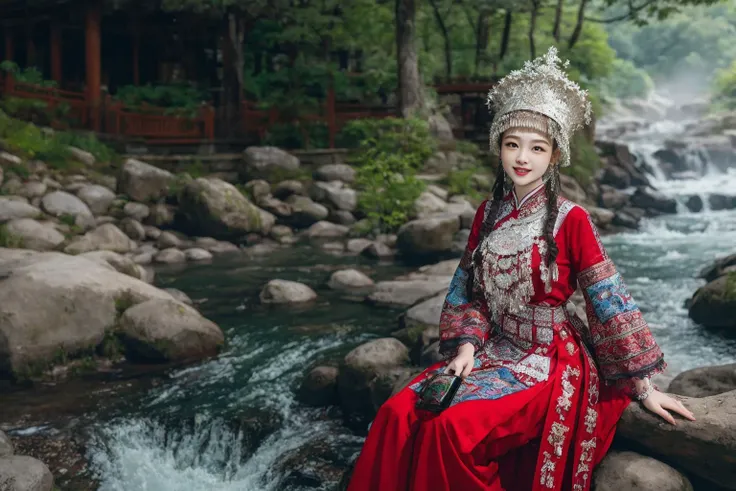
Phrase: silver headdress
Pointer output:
(540, 88)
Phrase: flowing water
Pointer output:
(188, 433)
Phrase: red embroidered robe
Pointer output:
(539, 409)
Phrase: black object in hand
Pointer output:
(438, 391)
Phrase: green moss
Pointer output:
(123, 303)
(8, 239)
(730, 290)
(111, 346)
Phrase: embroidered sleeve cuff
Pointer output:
(449, 347)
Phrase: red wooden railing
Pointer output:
(78, 114)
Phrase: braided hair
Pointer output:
(551, 187)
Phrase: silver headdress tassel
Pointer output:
(524, 97)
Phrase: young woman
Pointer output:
(541, 393)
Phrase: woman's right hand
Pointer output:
(463, 363)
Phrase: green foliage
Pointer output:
(389, 153)
(179, 99)
(688, 47)
(34, 110)
(627, 81)
(724, 96)
(8, 239)
(52, 147)
(462, 182)
(584, 160)
(29, 75)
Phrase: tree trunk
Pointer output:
(446, 36)
(232, 73)
(482, 34)
(579, 25)
(410, 96)
(506, 35)
(532, 27)
(558, 20)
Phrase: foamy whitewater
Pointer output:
(145, 451)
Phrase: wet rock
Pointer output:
(357, 245)
(171, 255)
(335, 194)
(347, 279)
(703, 448)
(335, 172)
(377, 250)
(441, 269)
(22, 473)
(143, 182)
(326, 230)
(407, 293)
(631, 471)
(222, 247)
(428, 235)
(342, 217)
(179, 296)
(267, 163)
(714, 304)
(719, 202)
(718, 268)
(168, 239)
(612, 198)
(616, 177)
(106, 237)
(197, 254)
(704, 381)
(424, 315)
(273, 205)
(319, 387)
(167, 330)
(211, 206)
(601, 217)
(359, 371)
(12, 208)
(305, 211)
(649, 199)
(286, 292)
(694, 203)
(35, 235)
(315, 465)
(279, 232)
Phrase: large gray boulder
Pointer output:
(630, 471)
(269, 163)
(106, 237)
(61, 203)
(6, 446)
(361, 372)
(335, 194)
(22, 473)
(335, 172)
(718, 268)
(98, 198)
(714, 305)
(213, 207)
(12, 208)
(649, 199)
(705, 447)
(143, 182)
(55, 303)
(409, 292)
(286, 292)
(705, 381)
(428, 235)
(305, 212)
(35, 235)
(168, 330)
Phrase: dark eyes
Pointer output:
(535, 148)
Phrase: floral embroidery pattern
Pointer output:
(591, 416)
(556, 437)
(547, 476)
(563, 402)
(584, 466)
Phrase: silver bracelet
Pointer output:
(650, 388)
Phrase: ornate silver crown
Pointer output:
(540, 88)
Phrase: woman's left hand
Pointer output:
(659, 403)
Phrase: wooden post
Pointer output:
(56, 70)
(30, 46)
(92, 58)
(330, 112)
(136, 52)
(9, 55)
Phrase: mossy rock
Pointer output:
(714, 305)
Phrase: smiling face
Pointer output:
(526, 155)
